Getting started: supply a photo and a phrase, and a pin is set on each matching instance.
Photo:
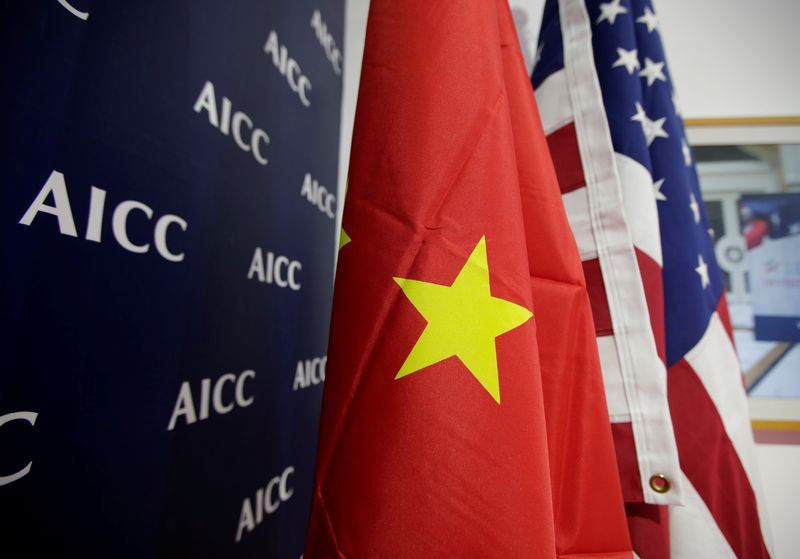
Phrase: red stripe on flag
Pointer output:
(649, 526)
(597, 297)
(627, 462)
(710, 462)
(564, 150)
(653, 283)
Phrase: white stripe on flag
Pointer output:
(576, 203)
(618, 411)
(640, 206)
(552, 98)
(693, 531)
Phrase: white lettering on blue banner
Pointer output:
(275, 269)
(310, 372)
(222, 396)
(288, 67)
(56, 186)
(30, 417)
(266, 501)
(236, 124)
(332, 52)
(319, 196)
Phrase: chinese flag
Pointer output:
(463, 413)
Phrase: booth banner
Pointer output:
(771, 228)
(167, 218)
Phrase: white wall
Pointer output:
(733, 58)
(780, 465)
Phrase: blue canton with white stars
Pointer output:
(646, 125)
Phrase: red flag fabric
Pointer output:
(463, 413)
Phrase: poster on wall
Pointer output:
(771, 228)
(169, 193)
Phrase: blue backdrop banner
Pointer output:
(169, 192)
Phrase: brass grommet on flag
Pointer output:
(660, 483)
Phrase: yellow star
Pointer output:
(463, 320)
(344, 238)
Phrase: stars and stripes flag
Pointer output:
(673, 382)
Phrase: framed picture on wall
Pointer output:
(749, 170)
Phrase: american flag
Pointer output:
(673, 381)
